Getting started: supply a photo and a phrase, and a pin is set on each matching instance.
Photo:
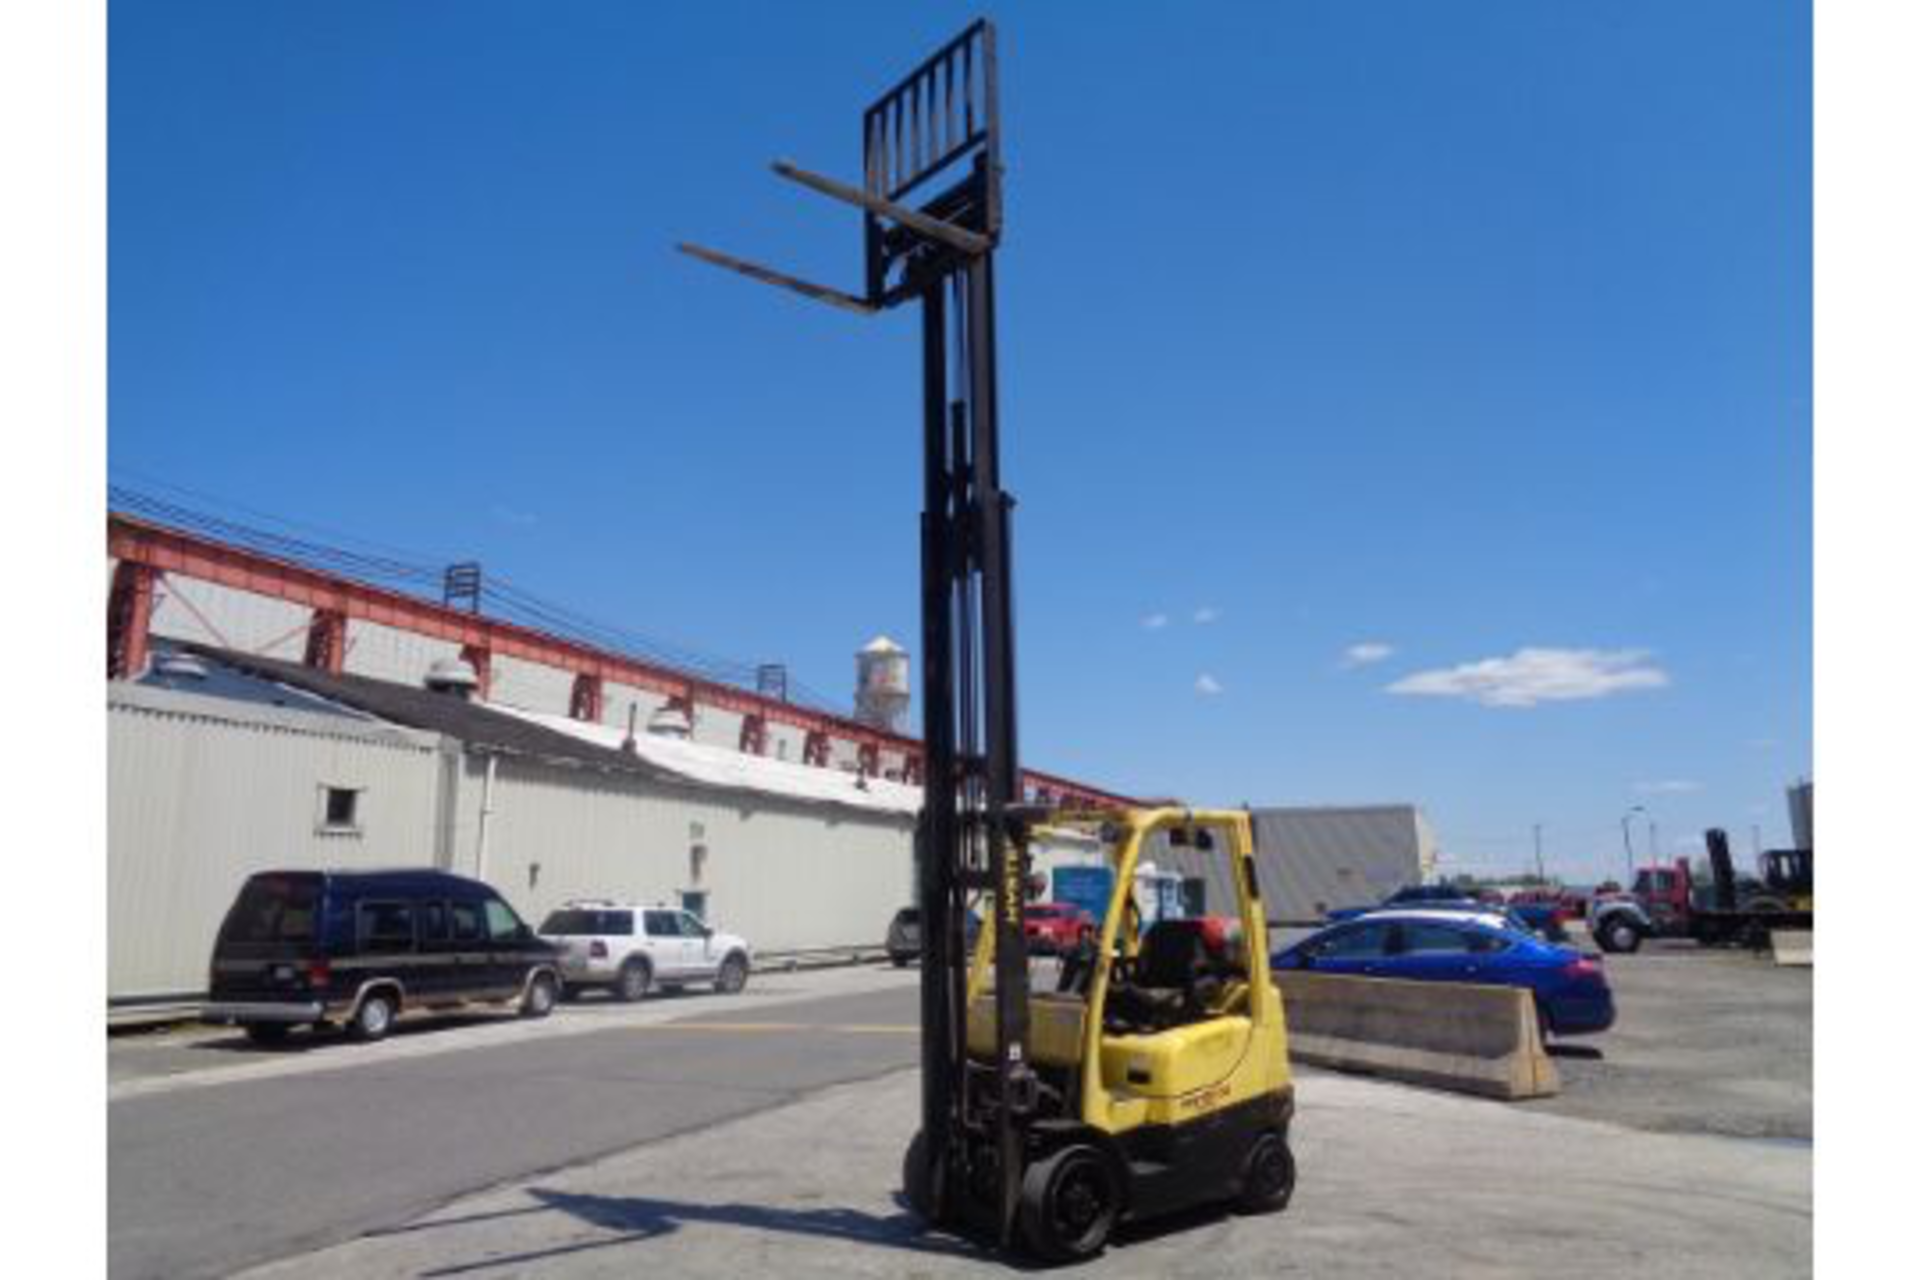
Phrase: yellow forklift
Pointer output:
(1157, 1078)
(1158, 1064)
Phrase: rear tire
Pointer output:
(1266, 1179)
(1068, 1204)
(266, 1032)
(636, 978)
(732, 978)
(374, 1018)
(540, 998)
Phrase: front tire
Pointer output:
(1068, 1204)
(916, 1178)
(1266, 1179)
(540, 998)
(732, 978)
(1619, 937)
(374, 1018)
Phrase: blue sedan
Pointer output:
(1569, 989)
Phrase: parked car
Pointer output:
(1570, 989)
(1412, 894)
(630, 949)
(903, 936)
(1055, 928)
(1540, 920)
(1547, 921)
(363, 947)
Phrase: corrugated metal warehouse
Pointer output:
(207, 787)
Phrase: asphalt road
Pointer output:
(220, 1157)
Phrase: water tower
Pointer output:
(882, 685)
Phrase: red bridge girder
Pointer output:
(146, 549)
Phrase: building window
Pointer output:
(340, 810)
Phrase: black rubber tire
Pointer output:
(1068, 1204)
(1619, 937)
(374, 1018)
(266, 1032)
(635, 980)
(1266, 1177)
(542, 994)
(916, 1179)
(732, 978)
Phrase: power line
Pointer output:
(508, 601)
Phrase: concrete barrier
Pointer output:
(1472, 1039)
(1793, 947)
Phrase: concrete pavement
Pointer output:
(709, 1135)
(1394, 1181)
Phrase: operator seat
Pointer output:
(1177, 978)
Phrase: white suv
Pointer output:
(633, 949)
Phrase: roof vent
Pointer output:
(670, 722)
(453, 676)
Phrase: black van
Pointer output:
(360, 946)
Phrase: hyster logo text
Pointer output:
(1206, 1098)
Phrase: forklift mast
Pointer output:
(930, 200)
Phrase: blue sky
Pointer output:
(1478, 333)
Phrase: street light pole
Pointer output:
(1539, 860)
(1626, 838)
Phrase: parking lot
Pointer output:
(1707, 1041)
(711, 1136)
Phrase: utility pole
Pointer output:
(1626, 838)
(1539, 860)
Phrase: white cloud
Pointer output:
(1531, 676)
(1666, 787)
(1367, 651)
(1204, 614)
(1208, 686)
(1154, 621)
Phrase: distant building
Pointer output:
(1317, 859)
(1800, 813)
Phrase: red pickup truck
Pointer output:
(1055, 928)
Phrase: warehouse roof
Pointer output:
(515, 730)
(721, 767)
(474, 723)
